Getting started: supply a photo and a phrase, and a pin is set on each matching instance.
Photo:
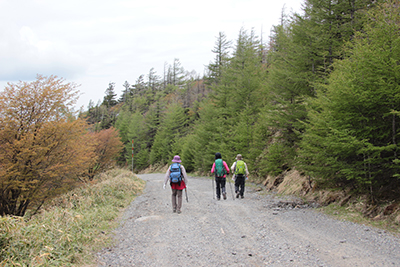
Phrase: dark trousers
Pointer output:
(239, 184)
(220, 182)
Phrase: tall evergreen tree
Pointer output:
(352, 136)
(137, 130)
(324, 28)
(175, 74)
(153, 80)
(244, 78)
(170, 130)
(301, 55)
(221, 51)
(228, 117)
(288, 84)
(125, 93)
(109, 99)
(139, 88)
(209, 135)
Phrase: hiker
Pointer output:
(220, 168)
(177, 176)
(240, 175)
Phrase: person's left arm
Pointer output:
(226, 167)
(185, 179)
(247, 171)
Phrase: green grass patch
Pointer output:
(72, 227)
(344, 213)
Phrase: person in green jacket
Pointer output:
(240, 175)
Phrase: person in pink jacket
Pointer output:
(220, 169)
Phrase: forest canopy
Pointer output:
(320, 97)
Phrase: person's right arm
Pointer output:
(213, 168)
(233, 171)
(166, 178)
(233, 167)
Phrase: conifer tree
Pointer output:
(287, 86)
(228, 117)
(301, 55)
(138, 132)
(109, 98)
(352, 136)
(208, 135)
(153, 80)
(221, 51)
(170, 130)
(245, 78)
(125, 93)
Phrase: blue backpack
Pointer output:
(175, 175)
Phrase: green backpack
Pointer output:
(219, 168)
(240, 167)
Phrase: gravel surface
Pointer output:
(259, 230)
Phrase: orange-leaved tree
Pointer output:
(44, 149)
(108, 148)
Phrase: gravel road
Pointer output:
(254, 231)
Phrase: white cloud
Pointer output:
(94, 42)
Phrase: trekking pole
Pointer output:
(213, 186)
(233, 197)
(186, 195)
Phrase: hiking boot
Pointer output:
(224, 194)
(237, 195)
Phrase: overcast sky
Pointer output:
(95, 42)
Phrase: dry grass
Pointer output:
(68, 230)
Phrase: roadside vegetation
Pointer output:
(70, 228)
